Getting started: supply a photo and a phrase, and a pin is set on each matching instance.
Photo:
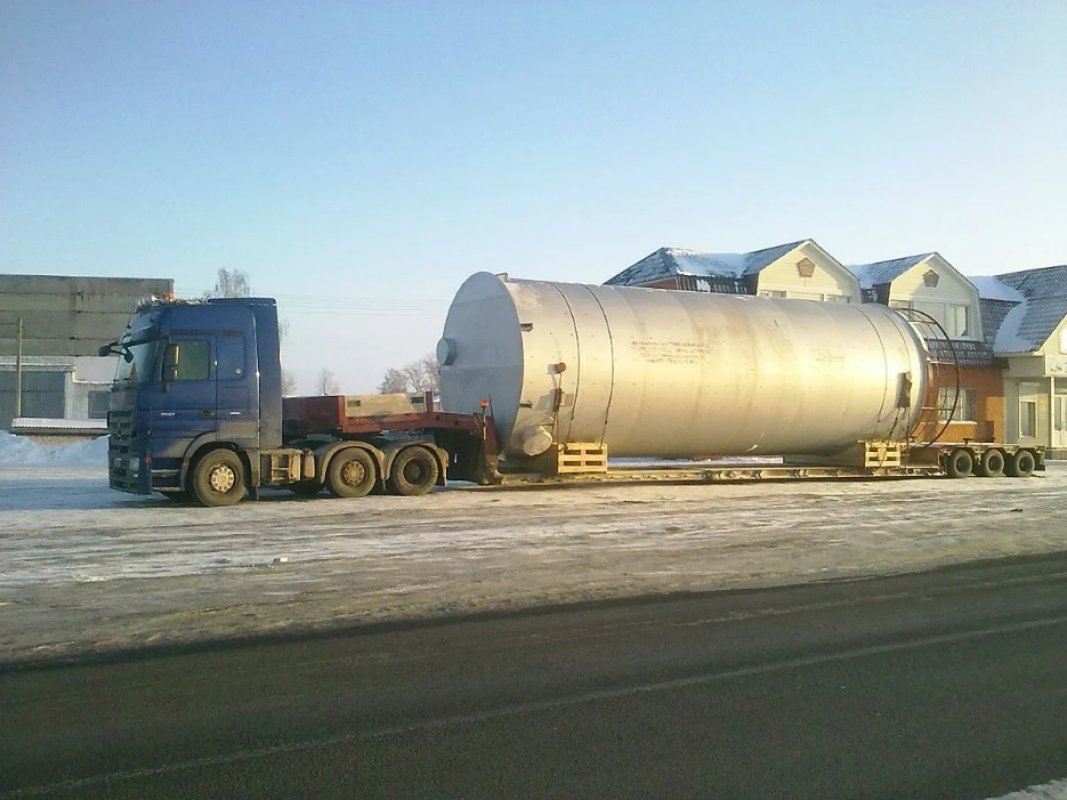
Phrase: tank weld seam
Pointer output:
(611, 361)
(578, 373)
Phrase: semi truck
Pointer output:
(541, 381)
(196, 410)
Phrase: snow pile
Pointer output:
(991, 288)
(17, 451)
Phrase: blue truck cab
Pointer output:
(191, 378)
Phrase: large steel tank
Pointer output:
(651, 372)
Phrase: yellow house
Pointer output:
(1029, 311)
(798, 270)
(929, 284)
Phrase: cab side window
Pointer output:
(192, 359)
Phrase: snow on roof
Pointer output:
(871, 275)
(16, 451)
(992, 288)
(1029, 324)
(668, 261)
(1009, 338)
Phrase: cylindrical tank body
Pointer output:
(651, 372)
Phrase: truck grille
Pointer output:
(123, 466)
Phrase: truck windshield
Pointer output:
(140, 369)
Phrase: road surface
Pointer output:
(950, 683)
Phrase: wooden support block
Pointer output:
(581, 457)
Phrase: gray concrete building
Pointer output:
(65, 321)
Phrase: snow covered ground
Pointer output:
(83, 568)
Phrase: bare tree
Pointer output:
(326, 383)
(415, 377)
(231, 283)
(288, 379)
(393, 382)
(288, 383)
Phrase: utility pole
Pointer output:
(18, 370)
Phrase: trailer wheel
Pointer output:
(219, 479)
(414, 472)
(351, 473)
(991, 465)
(960, 463)
(1021, 464)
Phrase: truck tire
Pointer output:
(991, 464)
(351, 473)
(960, 463)
(1021, 464)
(219, 479)
(413, 472)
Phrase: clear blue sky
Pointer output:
(369, 156)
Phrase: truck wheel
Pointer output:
(414, 472)
(1021, 464)
(991, 465)
(351, 473)
(219, 479)
(960, 463)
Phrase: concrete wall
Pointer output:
(69, 316)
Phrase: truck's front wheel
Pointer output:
(219, 479)
(413, 472)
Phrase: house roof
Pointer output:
(880, 272)
(1043, 307)
(991, 287)
(669, 261)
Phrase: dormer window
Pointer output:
(805, 268)
(930, 278)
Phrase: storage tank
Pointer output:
(652, 372)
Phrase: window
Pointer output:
(98, 403)
(900, 303)
(137, 363)
(965, 405)
(805, 268)
(1061, 412)
(191, 359)
(958, 321)
(1028, 418)
(771, 293)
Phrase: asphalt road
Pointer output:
(944, 684)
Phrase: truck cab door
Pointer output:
(187, 406)
(238, 402)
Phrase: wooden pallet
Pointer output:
(882, 454)
(581, 457)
